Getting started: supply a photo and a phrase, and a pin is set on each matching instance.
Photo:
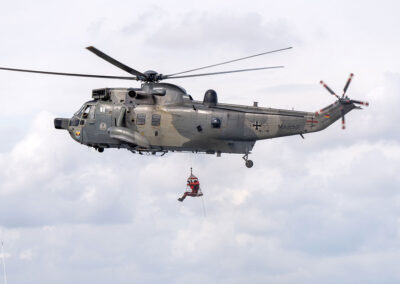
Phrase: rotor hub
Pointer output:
(151, 76)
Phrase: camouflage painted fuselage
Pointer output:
(175, 122)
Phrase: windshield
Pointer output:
(86, 111)
(79, 112)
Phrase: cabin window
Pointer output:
(141, 119)
(216, 122)
(155, 120)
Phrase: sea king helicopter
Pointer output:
(161, 117)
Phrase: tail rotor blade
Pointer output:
(360, 103)
(329, 89)
(343, 121)
(347, 84)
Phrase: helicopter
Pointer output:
(159, 117)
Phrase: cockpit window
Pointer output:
(74, 122)
(88, 112)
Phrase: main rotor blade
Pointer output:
(347, 84)
(230, 61)
(115, 62)
(217, 73)
(69, 74)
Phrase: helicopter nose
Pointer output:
(61, 123)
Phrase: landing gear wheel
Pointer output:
(100, 150)
(249, 163)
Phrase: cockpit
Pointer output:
(85, 112)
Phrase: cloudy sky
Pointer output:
(321, 210)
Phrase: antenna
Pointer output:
(4, 263)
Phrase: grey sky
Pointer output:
(321, 210)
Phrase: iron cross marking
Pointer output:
(257, 125)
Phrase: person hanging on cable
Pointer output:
(192, 188)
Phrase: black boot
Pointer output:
(180, 199)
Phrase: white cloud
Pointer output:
(5, 255)
(234, 31)
(26, 255)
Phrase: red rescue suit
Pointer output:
(194, 186)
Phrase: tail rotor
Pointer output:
(344, 99)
